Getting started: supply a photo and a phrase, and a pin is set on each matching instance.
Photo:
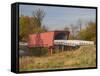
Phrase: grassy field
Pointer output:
(83, 57)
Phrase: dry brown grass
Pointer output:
(83, 57)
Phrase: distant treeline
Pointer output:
(86, 33)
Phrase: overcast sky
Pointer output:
(60, 17)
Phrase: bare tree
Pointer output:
(80, 24)
(66, 29)
(38, 15)
(74, 30)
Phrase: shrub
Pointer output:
(39, 51)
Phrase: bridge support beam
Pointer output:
(62, 48)
(50, 51)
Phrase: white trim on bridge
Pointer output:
(73, 42)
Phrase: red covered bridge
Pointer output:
(46, 39)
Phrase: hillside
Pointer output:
(83, 57)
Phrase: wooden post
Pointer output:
(62, 48)
(50, 51)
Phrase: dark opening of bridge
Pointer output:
(61, 36)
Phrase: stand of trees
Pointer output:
(29, 25)
(87, 33)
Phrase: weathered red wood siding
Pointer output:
(41, 39)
